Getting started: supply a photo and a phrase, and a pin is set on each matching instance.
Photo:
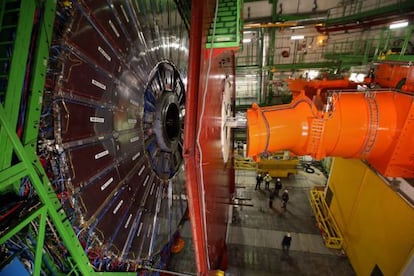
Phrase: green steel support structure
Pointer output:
(51, 205)
(16, 74)
(18, 159)
(38, 76)
(357, 14)
(261, 62)
(271, 50)
(24, 148)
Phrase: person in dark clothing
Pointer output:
(285, 198)
(286, 241)
(271, 197)
(259, 179)
(278, 186)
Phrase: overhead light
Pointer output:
(398, 25)
(247, 40)
(297, 27)
(296, 37)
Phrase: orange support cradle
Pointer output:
(318, 88)
(398, 75)
(375, 126)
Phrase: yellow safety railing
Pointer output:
(241, 163)
(274, 165)
(329, 229)
(278, 167)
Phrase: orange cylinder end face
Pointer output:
(255, 135)
(276, 128)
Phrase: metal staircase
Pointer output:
(226, 31)
(328, 228)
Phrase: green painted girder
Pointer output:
(28, 164)
(38, 75)
(16, 76)
(48, 198)
(289, 66)
(40, 213)
(39, 243)
(350, 58)
(396, 57)
(11, 175)
(401, 7)
(308, 65)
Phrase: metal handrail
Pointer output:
(326, 223)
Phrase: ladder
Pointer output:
(373, 124)
(316, 137)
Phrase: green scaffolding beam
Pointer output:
(382, 11)
(16, 73)
(18, 158)
(31, 167)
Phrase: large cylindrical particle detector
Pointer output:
(375, 126)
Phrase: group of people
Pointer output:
(287, 238)
(272, 193)
(259, 179)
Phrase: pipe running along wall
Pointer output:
(376, 126)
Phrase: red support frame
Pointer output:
(209, 180)
(189, 147)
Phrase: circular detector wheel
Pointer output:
(163, 119)
(116, 88)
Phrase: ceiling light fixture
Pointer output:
(247, 40)
(297, 37)
(397, 25)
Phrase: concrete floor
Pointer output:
(256, 232)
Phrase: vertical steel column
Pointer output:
(39, 72)
(261, 66)
(22, 224)
(189, 147)
(271, 50)
(406, 39)
(16, 76)
(39, 243)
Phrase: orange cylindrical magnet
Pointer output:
(369, 126)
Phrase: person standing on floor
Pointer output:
(271, 197)
(286, 241)
(267, 180)
(285, 198)
(259, 180)
(278, 186)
